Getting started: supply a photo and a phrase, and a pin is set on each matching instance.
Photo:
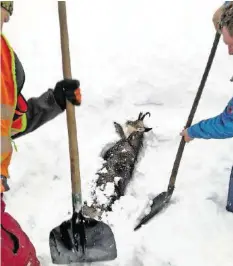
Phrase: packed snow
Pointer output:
(129, 56)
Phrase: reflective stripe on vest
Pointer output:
(5, 144)
(6, 111)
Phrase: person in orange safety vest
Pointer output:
(19, 117)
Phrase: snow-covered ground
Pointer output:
(130, 56)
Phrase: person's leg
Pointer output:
(230, 194)
(16, 248)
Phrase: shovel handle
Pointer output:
(70, 109)
(192, 112)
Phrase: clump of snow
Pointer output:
(109, 189)
(103, 170)
(117, 179)
(104, 192)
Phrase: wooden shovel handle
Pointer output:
(70, 109)
(179, 154)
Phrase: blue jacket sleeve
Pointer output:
(219, 127)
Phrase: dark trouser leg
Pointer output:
(230, 194)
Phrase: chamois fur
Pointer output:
(119, 163)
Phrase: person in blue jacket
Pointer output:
(220, 126)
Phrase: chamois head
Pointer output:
(138, 124)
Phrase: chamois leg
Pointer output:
(119, 130)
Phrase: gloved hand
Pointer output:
(67, 89)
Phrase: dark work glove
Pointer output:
(67, 89)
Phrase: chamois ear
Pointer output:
(147, 129)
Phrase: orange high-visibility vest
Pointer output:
(8, 102)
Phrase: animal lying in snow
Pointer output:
(117, 171)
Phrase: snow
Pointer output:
(130, 56)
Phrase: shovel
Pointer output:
(161, 201)
(80, 239)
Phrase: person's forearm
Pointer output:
(213, 128)
(40, 110)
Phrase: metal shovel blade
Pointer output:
(159, 202)
(100, 243)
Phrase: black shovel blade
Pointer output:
(100, 243)
(159, 203)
